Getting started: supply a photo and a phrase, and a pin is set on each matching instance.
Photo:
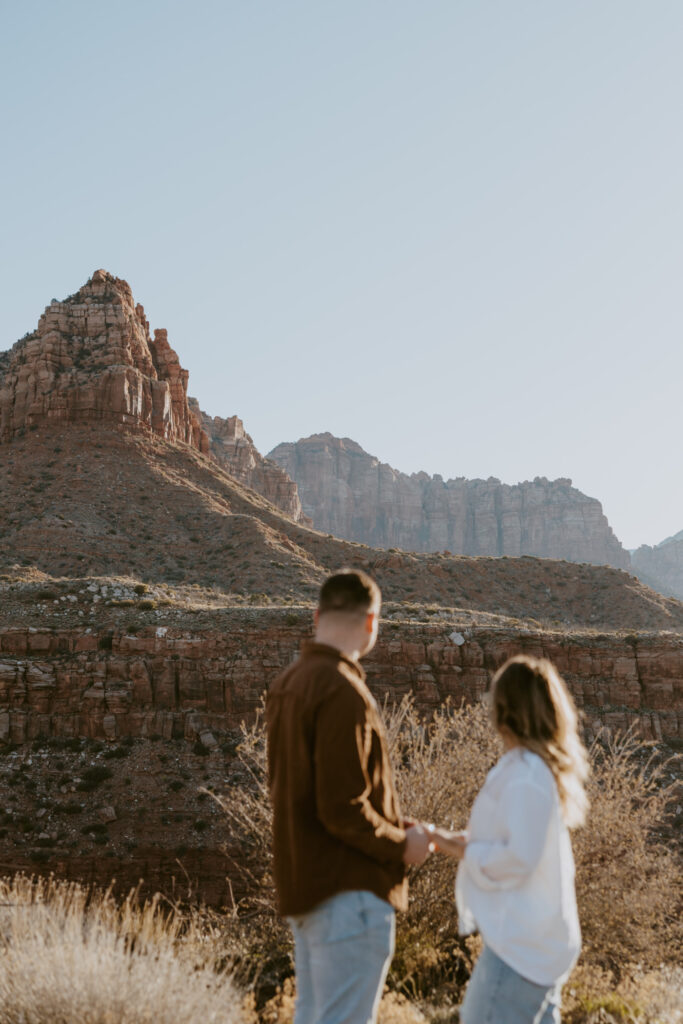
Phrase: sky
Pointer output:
(449, 229)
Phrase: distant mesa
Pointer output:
(661, 566)
(92, 358)
(351, 494)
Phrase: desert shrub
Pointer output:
(117, 752)
(629, 881)
(96, 827)
(70, 807)
(68, 959)
(628, 878)
(93, 777)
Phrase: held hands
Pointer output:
(423, 839)
(418, 843)
(453, 844)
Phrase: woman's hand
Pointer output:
(451, 843)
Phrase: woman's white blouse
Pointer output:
(515, 884)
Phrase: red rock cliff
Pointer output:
(353, 495)
(92, 358)
(179, 684)
(234, 449)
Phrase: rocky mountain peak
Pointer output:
(92, 358)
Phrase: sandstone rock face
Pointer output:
(182, 684)
(92, 358)
(661, 567)
(234, 449)
(349, 493)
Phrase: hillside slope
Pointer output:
(86, 500)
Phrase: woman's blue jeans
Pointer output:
(498, 995)
(343, 949)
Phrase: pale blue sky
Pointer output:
(449, 230)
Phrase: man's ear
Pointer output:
(370, 621)
(316, 618)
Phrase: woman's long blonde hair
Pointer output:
(531, 700)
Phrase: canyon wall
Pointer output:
(661, 567)
(176, 684)
(351, 494)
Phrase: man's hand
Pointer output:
(418, 840)
(451, 843)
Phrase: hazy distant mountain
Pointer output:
(661, 566)
(351, 494)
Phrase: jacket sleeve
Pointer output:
(345, 767)
(505, 863)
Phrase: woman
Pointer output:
(515, 881)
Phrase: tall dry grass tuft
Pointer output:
(628, 877)
(69, 959)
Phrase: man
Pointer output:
(340, 846)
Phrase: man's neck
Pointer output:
(341, 642)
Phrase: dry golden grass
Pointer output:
(68, 959)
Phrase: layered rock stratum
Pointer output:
(661, 566)
(189, 683)
(351, 494)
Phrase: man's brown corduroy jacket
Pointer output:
(336, 821)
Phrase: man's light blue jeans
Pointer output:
(343, 949)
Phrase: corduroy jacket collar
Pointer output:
(309, 647)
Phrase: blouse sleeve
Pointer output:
(507, 862)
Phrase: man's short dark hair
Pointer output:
(349, 590)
